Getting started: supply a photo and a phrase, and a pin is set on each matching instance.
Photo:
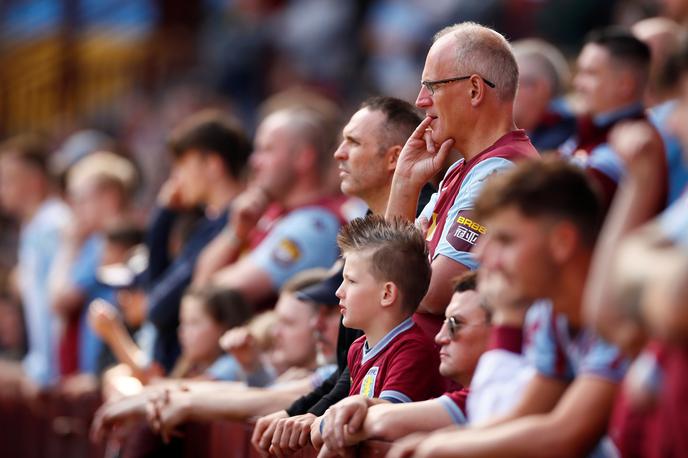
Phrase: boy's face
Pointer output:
(360, 293)
(517, 249)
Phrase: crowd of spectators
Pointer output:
(499, 270)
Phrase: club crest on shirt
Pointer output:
(464, 232)
(368, 385)
(286, 252)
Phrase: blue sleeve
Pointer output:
(303, 239)
(605, 361)
(36, 259)
(225, 368)
(86, 265)
(157, 241)
(605, 160)
(460, 234)
(545, 353)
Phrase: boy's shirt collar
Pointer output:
(369, 353)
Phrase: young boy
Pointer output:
(386, 274)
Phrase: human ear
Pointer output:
(477, 90)
(392, 155)
(390, 292)
(563, 241)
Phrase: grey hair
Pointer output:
(484, 51)
(549, 62)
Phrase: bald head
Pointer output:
(479, 49)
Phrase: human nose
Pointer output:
(340, 291)
(442, 336)
(340, 154)
(424, 99)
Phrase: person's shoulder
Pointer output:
(53, 213)
(318, 216)
(413, 338)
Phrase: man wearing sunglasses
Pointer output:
(467, 92)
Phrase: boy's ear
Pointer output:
(390, 292)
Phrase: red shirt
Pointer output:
(402, 367)
(454, 203)
(455, 404)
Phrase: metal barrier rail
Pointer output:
(55, 426)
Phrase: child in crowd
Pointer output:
(205, 315)
(386, 274)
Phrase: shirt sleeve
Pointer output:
(225, 368)
(594, 356)
(86, 265)
(544, 352)
(454, 403)
(412, 374)
(36, 257)
(461, 231)
(301, 405)
(304, 239)
(157, 242)
(605, 361)
(336, 394)
(605, 160)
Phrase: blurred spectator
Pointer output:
(613, 70)
(545, 212)
(648, 298)
(76, 147)
(210, 152)
(100, 188)
(123, 261)
(294, 341)
(27, 192)
(204, 317)
(286, 217)
(540, 107)
(662, 36)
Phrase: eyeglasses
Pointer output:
(454, 326)
(431, 86)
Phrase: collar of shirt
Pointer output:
(369, 353)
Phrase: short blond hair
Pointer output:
(104, 168)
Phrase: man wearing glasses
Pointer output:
(467, 92)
